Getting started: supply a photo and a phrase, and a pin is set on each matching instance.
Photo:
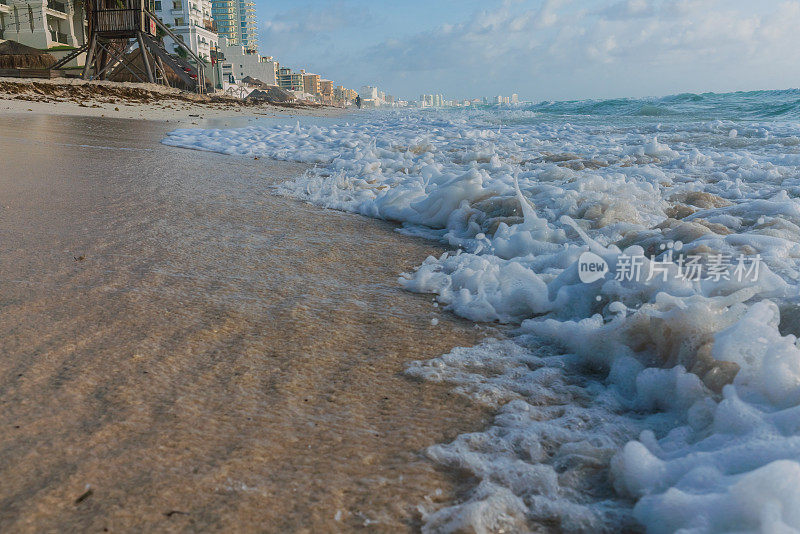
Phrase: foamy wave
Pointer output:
(669, 402)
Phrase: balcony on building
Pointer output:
(60, 7)
(58, 37)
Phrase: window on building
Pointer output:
(176, 4)
(179, 21)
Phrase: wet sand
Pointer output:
(182, 350)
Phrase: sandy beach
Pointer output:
(183, 350)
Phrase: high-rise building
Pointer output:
(236, 21)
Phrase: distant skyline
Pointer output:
(541, 49)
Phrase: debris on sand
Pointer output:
(81, 91)
(85, 495)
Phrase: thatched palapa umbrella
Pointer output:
(18, 56)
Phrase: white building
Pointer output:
(43, 24)
(191, 21)
(241, 62)
(370, 96)
(515, 98)
(368, 92)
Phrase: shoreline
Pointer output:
(216, 359)
(143, 101)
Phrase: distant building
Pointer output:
(369, 96)
(368, 92)
(342, 95)
(191, 21)
(425, 101)
(236, 21)
(311, 83)
(239, 62)
(326, 91)
(291, 81)
(515, 98)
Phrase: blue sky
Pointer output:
(541, 49)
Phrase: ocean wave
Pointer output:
(753, 105)
(663, 401)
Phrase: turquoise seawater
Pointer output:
(743, 105)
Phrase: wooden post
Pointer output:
(160, 65)
(89, 56)
(102, 63)
(145, 59)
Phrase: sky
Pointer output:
(540, 49)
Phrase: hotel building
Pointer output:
(291, 81)
(236, 21)
(311, 83)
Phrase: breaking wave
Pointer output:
(751, 105)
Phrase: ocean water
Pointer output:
(646, 254)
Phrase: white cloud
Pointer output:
(311, 22)
(558, 48)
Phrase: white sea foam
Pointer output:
(674, 404)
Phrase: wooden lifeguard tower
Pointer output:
(116, 28)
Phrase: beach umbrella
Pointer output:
(14, 55)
